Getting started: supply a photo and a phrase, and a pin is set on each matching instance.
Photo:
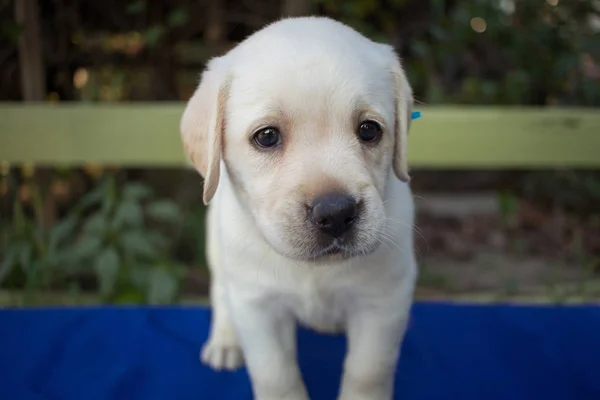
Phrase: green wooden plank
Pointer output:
(147, 134)
(470, 137)
(116, 134)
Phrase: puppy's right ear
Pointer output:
(203, 123)
(404, 104)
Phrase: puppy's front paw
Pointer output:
(222, 355)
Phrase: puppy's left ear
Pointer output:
(404, 106)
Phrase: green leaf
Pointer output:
(11, 30)
(130, 296)
(25, 256)
(84, 249)
(128, 214)
(509, 204)
(398, 3)
(110, 196)
(136, 243)
(138, 276)
(74, 290)
(164, 210)
(136, 192)
(107, 269)
(96, 224)
(32, 282)
(158, 240)
(177, 17)
(46, 271)
(162, 286)
(61, 231)
(153, 35)
(19, 221)
(10, 261)
(94, 197)
(136, 7)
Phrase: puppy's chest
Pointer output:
(320, 308)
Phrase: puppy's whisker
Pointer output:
(380, 240)
(390, 238)
(413, 227)
(416, 248)
(384, 239)
(414, 196)
(383, 242)
(386, 235)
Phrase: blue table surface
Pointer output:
(463, 352)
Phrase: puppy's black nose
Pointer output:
(333, 214)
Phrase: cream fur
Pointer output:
(316, 80)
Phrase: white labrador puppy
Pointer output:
(300, 133)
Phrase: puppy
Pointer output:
(300, 133)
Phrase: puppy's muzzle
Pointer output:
(333, 214)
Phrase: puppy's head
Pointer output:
(309, 118)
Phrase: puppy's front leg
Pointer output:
(222, 350)
(374, 340)
(269, 345)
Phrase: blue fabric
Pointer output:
(450, 352)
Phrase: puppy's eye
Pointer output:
(267, 137)
(369, 132)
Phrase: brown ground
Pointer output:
(528, 253)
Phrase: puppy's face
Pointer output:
(309, 142)
(310, 156)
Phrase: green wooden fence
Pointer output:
(448, 137)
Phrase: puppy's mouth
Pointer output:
(334, 249)
(338, 249)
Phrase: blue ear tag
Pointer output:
(415, 115)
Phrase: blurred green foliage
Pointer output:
(118, 236)
(517, 52)
(490, 51)
(577, 192)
